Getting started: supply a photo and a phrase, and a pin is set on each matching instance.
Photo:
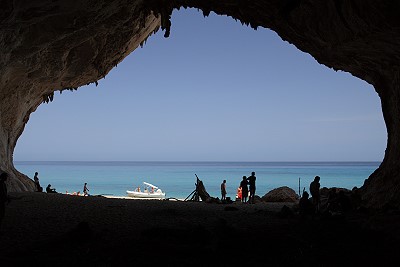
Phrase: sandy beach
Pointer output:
(60, 229)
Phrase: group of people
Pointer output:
(246, 191)
(38, 188)
(336, 201)
(4, 194)
(146, 190)
(308, 207)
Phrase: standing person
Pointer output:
(37, 184)
(239, 194)
(252, 184)
(223, 190)
(314, 190)
(85, 190)
(3, 195)
(245, 190)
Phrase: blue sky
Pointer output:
(215, 90)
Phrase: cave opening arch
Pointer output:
(355, 37)
(232, 83)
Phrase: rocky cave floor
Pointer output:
(55, 229)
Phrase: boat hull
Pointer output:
(148, 195)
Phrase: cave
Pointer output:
(56, 45)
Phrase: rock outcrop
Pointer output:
(48, 46)
(281, 194)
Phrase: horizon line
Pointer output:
(212, 161)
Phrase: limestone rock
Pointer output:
(281, 194)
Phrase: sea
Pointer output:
(177, 179)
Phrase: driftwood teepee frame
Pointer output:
(199, 193)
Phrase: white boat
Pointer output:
(150, 191)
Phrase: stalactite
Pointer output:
(48, 98)
(166, 20)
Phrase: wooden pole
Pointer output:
(299, 188)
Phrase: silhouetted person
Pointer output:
(3, 195)
(245, 190)
(239, 193)
(305, 205)
(252, 185)
(37, 183)
(85, 190)
(314, 190)
(50, 190)
(223, 190)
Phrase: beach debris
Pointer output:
(199, 193)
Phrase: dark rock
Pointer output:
(230, 208)
(285, 212)
(281, 194)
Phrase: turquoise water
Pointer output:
(177, 178)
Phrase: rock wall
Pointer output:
(48, 46)
(53, 45)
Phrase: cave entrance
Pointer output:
(213, 91)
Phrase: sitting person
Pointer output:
(305, 205)
(50, 190)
